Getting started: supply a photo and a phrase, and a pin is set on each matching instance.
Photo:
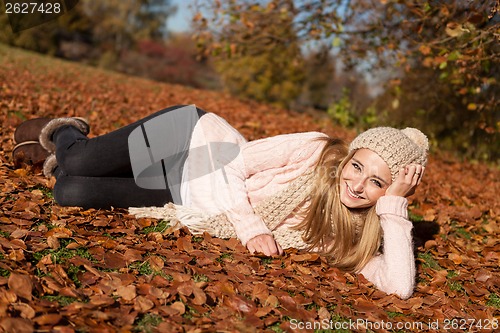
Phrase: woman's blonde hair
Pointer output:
(328, 225)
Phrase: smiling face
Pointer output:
(364, 179)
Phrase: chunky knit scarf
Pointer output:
(272, 210)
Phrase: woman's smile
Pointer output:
(351, 193)
(364, 179)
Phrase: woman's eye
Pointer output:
(377, 183)
(356, 166)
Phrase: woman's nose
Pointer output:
(358, 185)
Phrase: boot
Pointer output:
(34, 139)
(28, 153)
(30, 129)
(48, 144)
(49, 165)
(48, 130)
(28, 150)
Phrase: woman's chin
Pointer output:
(347, 202)
(354, 203)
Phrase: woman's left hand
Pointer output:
(407, 181)
(265, 244)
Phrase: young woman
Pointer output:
(302, 190)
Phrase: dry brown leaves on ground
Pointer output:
(73, 270)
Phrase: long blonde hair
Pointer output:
(328, 225)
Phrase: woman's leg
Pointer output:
(106, 192)
(103, 156)
(97, 172)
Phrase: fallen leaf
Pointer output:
(143, 304)
(24, 309)
(128, 293)
(260, 292)
(21, 285)
(456, 258)
(178, 307)
(114, 260)
(16, 325)
(48, 319)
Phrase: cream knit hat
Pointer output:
(397, 148)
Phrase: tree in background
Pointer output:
(97, 31)
(319, 68)
(257, 52)
(443, 53)
(121, 24)
(44, 38)
(127, 36)
(449, 74)
(172, 61)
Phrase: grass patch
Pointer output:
(62, 300)
(224, 257)
(200, 278)
(463, 233)
(147, 323)
(190, 312)
(73, 272)
(266, 261)
(159, 227)
(107, 234)
(455, 285)
(494, 301)
(415, 217)
(460, 231)
(197, 239)
(62, 254)
(276, 328)
(4, 272)
(428, 261)
(392, 314)
(143, 268)
(47, 192)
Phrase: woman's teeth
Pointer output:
(353, 194)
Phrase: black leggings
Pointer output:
(97, 172)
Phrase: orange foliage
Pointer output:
(65, 269)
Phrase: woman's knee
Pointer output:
(71, 159)
(68, 192)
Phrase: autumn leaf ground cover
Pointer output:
(65, 269)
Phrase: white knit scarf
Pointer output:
(272, 210)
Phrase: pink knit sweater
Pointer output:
(266, 166)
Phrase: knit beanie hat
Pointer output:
(398, 148)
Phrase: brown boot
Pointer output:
(30, 129)
(28, 150)
(34, 139)
(29, 153)
(48, 130)
(49, 166)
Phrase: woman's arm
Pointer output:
(272, 159)
(266, 160)
(393, 271)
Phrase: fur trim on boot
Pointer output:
(49, 129)
(49, 165)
